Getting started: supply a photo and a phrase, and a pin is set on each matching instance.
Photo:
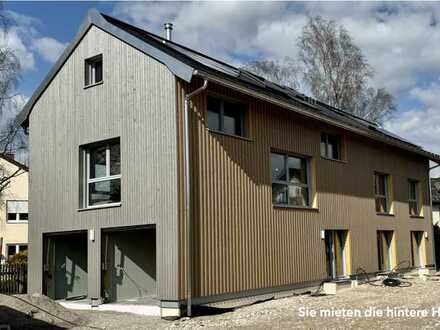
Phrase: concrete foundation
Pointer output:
(122, 307)
(329, 288)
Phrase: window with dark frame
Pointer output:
(102, 174)
(413, 197)
(290, 180)
(331, 146)
(225, 116)
(93, 70)
(17, 211)
(381, 193)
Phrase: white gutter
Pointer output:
(431, 216)
(188, 210)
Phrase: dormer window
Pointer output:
(93, 70)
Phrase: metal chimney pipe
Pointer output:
(168, 29)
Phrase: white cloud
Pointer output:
(397, 39)
(24, 38)
(14, 39)
(422, 125)
(400, 40)
(48, 48)
(225, 30)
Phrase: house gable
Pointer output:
(95, 19)
(136, 102)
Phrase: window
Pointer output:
(103, 174)
(14, 249)
(413, 197)
(17, 211)
(290, 182)
(225, 116)
(331, 146)
(381, 193)
(93, 70)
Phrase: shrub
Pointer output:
(19, 258)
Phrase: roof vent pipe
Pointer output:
(168, 29)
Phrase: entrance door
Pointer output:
(385, 250)
(336, 243)
(417, 249)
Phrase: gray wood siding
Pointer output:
(136, 102)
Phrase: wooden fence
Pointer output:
(13, 278)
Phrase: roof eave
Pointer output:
(239, 87)
(14, 162)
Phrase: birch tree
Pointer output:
(331, 68)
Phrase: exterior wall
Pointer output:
(137, 103)
(243, 243)
(18, 190)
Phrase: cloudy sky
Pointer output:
(400, 40)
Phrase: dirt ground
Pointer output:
(415, 306)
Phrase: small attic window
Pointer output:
(93, 70)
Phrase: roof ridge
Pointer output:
(166, 41)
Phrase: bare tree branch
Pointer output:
(337, 73)
(12, 137)
(284, 72)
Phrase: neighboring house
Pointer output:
(285, 191)
(435, 199)
(13, 209)
(435, 196)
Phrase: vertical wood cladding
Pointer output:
(136, 102)
(242, 242)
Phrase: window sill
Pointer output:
(93, 85)
(97, 207)
(24, 222)
(386, 214)
(306, 208)
(417, 216)
(342, 161)
(213, 131)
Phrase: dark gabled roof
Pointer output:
(14, 162)
(435, 190)
(186, 63)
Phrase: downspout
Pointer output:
(188, 210)
(431, 214)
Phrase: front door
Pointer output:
(385, 250)
(417, 249)
(336, 243)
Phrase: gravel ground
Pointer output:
(421, 297)
(290, 312)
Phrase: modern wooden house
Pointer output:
(159, 171)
